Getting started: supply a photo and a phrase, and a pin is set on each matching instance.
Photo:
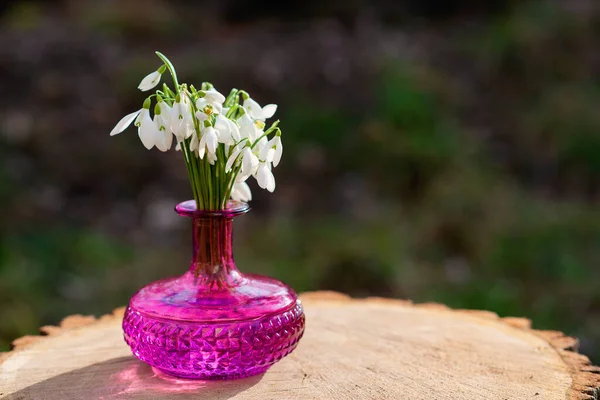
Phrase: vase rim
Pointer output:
(234, 208)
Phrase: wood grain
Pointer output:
(352, 349)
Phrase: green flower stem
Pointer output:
(188, 166)
(170, 67)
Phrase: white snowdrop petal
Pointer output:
(235, 131)
(224, 130)
(241, 192)
(140, 117)
(211, 139)
(262, 176)
(146, 136)
(245, 190)
(253, 108)
(124, 123)
(270, 155)
(231, 160)
(214, 96)
(168, 138)
(194, 143)
(249, 162)
(189, 128)
(149, 81)
(201, 116)
(247, 127)
(246, 162)
(269, 110)
(241, 178)
(270, 182)
(160, 137)
(202, 147)
(212, 158)
(221, 123)
(278, 151)
(147, 131)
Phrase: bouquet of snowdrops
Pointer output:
(223, 139)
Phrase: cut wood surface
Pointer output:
(352, 349)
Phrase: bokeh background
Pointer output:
(442, 151)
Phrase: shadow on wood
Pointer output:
(127, 377)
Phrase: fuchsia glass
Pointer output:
(213, 322)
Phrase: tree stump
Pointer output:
(352, 349)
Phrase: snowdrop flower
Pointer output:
(229, 133)
(248, 128)
(162, 112)
(182, 124)
(273, 150)
(265, 177)
(152, 79)
(258, 112)
(249, 161)
(210, 102)
(209, 140)
(148, 131)
(241, 192)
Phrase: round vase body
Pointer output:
(213, 322)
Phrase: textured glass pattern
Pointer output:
(213, 351)
(213, 322)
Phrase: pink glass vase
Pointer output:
(213, 322)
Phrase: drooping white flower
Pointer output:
(124, 122)
(211, 139)
(208, 141)
(162, 121)
(229, 133)
(267, 152)
(211, 102)
(265, 177)
(149, 81)
(207, 107)
(258, 112)
(241, 192)
(278, 150)
(272, 150)
(249, 162)
(181, 120)
(148, 132)
(248, 128)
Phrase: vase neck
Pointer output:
(212, 263)
(212, 258)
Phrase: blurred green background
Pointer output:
(441, 151)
